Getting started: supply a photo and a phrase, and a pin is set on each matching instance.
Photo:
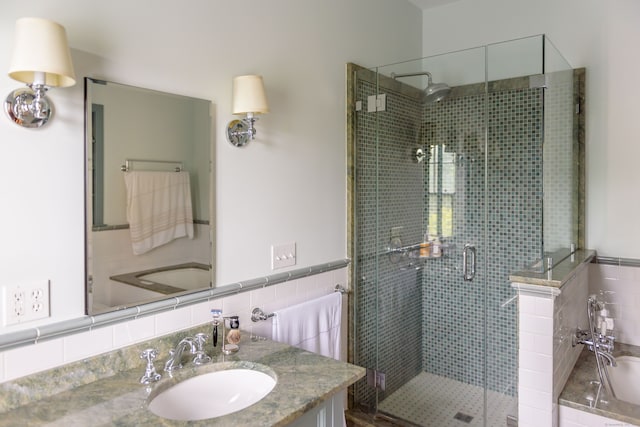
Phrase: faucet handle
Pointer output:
(150, 374)
(201, 357)
(580, 337)
(200, 339)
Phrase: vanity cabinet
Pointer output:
(329, 413)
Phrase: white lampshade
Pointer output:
(249, 95)
(41, 47)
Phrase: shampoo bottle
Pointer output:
(425, 247)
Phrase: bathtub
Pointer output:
(582, 392)
(169, 279)
(625, 379)
(181, 277)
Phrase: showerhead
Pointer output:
(434, 92)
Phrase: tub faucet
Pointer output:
(175, 356)
(608, 356)
(597, 341)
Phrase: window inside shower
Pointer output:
(441, 183)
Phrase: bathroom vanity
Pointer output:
(106, 390)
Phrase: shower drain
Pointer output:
(463, 417)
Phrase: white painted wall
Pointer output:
(598, 35)
(288, 185)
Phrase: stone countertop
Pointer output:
(304, 380)
(558, 275)
(581, 393)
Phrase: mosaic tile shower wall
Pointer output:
(389, 194)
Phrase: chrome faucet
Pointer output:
(597, 341)
(175, 356)
(608, 356)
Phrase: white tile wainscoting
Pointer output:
(30, 359)
(620, 280)
(622, 286)
(548, 316)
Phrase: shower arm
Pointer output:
(395, 76)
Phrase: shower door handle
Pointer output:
(469, 262)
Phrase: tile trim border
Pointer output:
(82, 324)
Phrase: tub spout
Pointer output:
(608, 357)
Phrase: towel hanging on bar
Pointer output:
(313, 325)
(158, 208)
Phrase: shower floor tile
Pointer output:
(433, 401)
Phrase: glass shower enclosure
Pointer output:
(463, 170)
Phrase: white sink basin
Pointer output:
(214, 394)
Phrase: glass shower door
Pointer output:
(450, 390)
(421, 316)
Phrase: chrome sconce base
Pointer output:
(28, 106)
(240, 132)
(41, 59)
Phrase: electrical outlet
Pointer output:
(26, 301)
(283, 255)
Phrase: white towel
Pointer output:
(313, 325)
(158, 208)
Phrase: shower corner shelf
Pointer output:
(397, 252)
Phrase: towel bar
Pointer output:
(341, 289)
(257, 314)
(128, 163)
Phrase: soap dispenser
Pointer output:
(604, 320)
(436, 248)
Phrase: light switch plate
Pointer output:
(283, 255)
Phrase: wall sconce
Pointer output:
(41, 59)
(249, 98)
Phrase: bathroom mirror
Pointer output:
(142, 244)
